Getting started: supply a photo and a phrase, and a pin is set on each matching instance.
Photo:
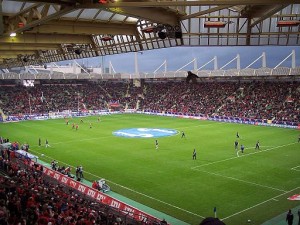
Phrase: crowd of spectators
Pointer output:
(201, 98)
(14, 145)
(28, 197)
(276, 101)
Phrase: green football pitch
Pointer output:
(253, 186)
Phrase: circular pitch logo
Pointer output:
(145, 132)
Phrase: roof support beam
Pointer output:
(165, 3)
(25, 11)
(60, 2)
(153, 14)
(1, 19)
(194, 3)
(5, 54)
(78, 27)
(25, 47)
(204, 12)
(268, 13)
(46, 39)
(33, 18)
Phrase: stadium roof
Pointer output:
(48, 31)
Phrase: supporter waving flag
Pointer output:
(42, 97)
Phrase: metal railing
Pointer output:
(248, 72)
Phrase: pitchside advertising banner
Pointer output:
(100, 197)
(198, 117)
(254, 122)
(294, 198)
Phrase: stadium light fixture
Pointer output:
(25, 59)
(78, 51)
(178, 32)
(288, 23)
(13, 34)
(214, 24)
(162, 35)
(108, 37)
(164, 31)
(105, 1)
(149, 29)
(21, 24)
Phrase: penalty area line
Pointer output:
(236, 157)
(243, 181)
(200, 125)
(261, 203)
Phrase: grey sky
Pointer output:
(179, 56)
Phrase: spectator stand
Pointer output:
(85, 190)
(25, 155)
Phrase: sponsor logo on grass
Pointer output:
(145, 132)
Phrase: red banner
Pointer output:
(100, 197)
(294, 198)
(114, 104)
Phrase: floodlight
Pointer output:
(214, 24)
(78, 51)
(149, 29)
(162, 35)
(108, 37)
(288, 23)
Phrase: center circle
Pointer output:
(145, 132)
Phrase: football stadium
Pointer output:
(209, 141)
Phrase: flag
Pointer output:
(231, 98)
(289, 99)
(42, 97)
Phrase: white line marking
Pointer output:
(199, 125)
(173, 206)
(104, 137)
(243, 181)
(294, 168)
(75, 140)
(150, 197)
(270, 199)
(259, 151)
(195, 168)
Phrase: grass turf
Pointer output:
(253, 186)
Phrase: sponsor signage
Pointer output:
(294, 198)
(252, 122)
(100, 197)
(145, 132)
(259, 122)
